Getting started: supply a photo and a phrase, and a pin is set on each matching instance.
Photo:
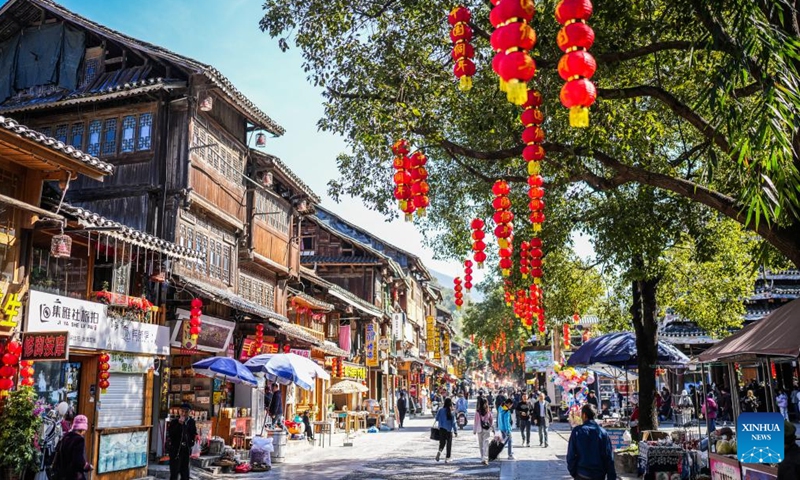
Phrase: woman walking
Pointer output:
(783, 404)
(504, 424)
(447, 429)
(70, 461)
(482, 427)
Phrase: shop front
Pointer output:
(78, 347)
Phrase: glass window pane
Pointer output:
(128, 133)
(61, 133)
(110, 137)
(46, 131)
(93, 145)
(145, 127)
(77, 136)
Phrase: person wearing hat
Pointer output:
(70, 461)
(789, 468)
(181, 434)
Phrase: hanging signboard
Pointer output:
(397, 325)
(383, 343)
(89, 326)
(124, 363)
(353, 371)
(300, 352)
(371, 346)
(430, 330)
(447, 343)
(249, 350)
(214, 337)
(45, 346)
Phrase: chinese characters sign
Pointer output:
(45, 346)
(10, 306)
(371, 345)
(355, 372)
(300, 352)
(430, 330)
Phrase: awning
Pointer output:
(308, 301)
(354, 301)
(234, 301)
(433, 364)
(329, 348)
(299, 333)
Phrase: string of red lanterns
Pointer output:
(468, 274)
(402, 177)
(419, 184)
(577, 65)
(459, 294)
(478, 245)
(567, 334)
(10, 362)
(195, 315)
(503, 229)
(511, 40)
(103, 367)
(463, 51)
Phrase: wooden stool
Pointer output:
(238, 441)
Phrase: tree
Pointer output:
(696, 97)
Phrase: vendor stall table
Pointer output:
(659, 458)
(323, 428)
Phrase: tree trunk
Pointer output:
(645, 326)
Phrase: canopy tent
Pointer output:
(776, 335)
(619, 350)
(227, 369)
(287, 368)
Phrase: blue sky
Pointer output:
(225, 34)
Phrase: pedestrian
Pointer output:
(70, 461)
(710, 411)
(782, 401)
(725, 406)
(750, 402)
(789, 468)
(423, 401)
(499, 400)
(591, 398)
(447, 429)
(181, 434)
(589, 453)
(524, 418)
(490, 400)
(309, 429)
(483, 428)
(276, 407)
(666, 406)
(795, 397)
(695, 400)
(685, 407)
(504, 424)
(267, 404)
(401, 407)
(543, 417)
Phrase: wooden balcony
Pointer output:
(318, 335)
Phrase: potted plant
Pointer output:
(19, 428)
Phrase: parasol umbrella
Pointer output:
(346, 387)
(619, 350)
(286, 368)
(610, 371)
(227, 369)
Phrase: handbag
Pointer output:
(435, 433)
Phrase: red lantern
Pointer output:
(195, 320)
(463, 52)
(511, 41)
(567, 335)
(503, 229)
(468, 274)
(103, 367)
(478, 246)
(419, 200)
(402, 177)
(577, 65)
(459, 295)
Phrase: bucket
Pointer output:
(279, 444)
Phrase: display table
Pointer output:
(322, 429)
(659, 458)
(227, 427)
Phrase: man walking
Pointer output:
(276, 407)
(182, 433)
(543, 417)
(589, 453)
(524, 419)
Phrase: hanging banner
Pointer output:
(447, 343)
(430, 330)
(371, 345)
(397, 326)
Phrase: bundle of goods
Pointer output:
(260, 458)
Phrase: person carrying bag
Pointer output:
(482, 427)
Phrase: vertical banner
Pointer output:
(371, 345)
(437, 343)
(397, 326)
(430, 330)
(447, 343)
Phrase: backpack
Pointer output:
(486, 425)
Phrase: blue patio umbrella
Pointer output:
(225, 368)
(286, 368)
(619, 350)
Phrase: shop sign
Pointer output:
(45, 346)
(215, 335)
(302, 353)
(248, 348)
(383, 343)
(430, 330)
(447, 343)
(371, 345)
(10, 306)
(723, 468)
(89, 326)
(538, 360)
(759, 472)
(124, 363)
(397, 325)
(355, 372)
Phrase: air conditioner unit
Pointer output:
(267, 180)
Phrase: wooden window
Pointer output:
(273, 211)
(110, 137)
(128, 139)
(257, 290)
(61, 133)
(76, 135)
(221, 154)
(210, 242)
(93, 142)
(144, 139)
(46, 131)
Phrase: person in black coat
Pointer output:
(401, 407)
(276, 406)
(70, 462)
(181, 434)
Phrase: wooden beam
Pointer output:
(30, 208)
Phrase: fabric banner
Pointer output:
(344, 337)
(371, 348)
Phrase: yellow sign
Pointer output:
(430, 330)
(11, 306)
(451, 370)
(355, 371)
(447, 343)
(372, 346)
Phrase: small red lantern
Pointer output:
(195, 318)
(459, 295)
(463, 52)
(478, 246)
(103, 367)
(419, 185)
(577, 65)
(468, 275)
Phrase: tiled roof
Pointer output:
(330, 348)
(55, 145)
(315, 302)
(340, 293)
(232, 300)
(323, 259)
(129, 235)
(219, 80)
(271, 161)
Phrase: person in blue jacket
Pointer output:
(504, 423)
(589, 453)
(447, 428)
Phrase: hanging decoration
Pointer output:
(567, 335)
(419, 184)
(402, 177)
(511, 40)
(577, 65)
(259, 341)
(459, 295)
(576, 317)
(524, 259)
(26, 373)
(503, 230)
(536, 259)
(468, 274)
(103, 375)
(463, 52)
(195, 321)
(478, 245)
(10, 362)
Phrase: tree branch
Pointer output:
(615, 57)
(361, 96)
(687, 154)
(678, 108)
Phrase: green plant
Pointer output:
(19, 427)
